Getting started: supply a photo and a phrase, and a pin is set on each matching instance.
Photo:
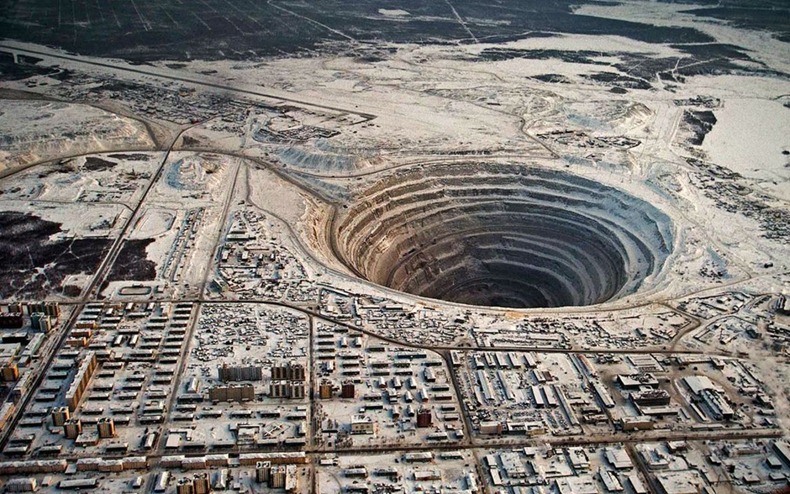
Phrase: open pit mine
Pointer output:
(501, 235)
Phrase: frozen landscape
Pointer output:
(380, 247)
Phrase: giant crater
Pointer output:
(504, 235)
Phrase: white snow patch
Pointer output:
(393, 12)
(749, 137)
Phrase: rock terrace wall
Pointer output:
(503, 235)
